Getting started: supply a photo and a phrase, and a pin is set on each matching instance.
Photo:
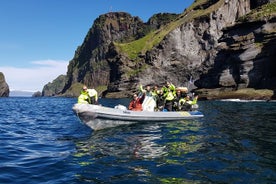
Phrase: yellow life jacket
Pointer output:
(191, 102)
(93, 93)
(170, 96)
(182, 101)
(84, 98)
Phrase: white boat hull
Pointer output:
(100, 117)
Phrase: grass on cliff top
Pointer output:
(142, 45)
(133, 49)
(265, 11)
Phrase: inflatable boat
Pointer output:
(99, 117)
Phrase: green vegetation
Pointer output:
(74, 90)
(197, 3)
(58, 83)
(101, 89)
(200, 8)
(131, 73)
(265, 11)
(140, 46)
(100, 21)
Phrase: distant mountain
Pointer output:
(17, 93)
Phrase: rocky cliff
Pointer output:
(220, 44)
(4, 88)
(53, 88)
(245, 54)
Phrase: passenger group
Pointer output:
(167, 98)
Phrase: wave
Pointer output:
(241, 100)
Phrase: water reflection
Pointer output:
(136, 149)
(234, 143)
(145, 145)
(119, 142)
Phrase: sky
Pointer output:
(38, 38)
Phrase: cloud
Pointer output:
(34, 77)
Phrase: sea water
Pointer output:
(42, 141)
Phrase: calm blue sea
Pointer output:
(42, 141)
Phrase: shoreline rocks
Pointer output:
(4, 87)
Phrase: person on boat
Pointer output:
(177, 98)
(155, 91)
(93, 94)
(160, 100)
(147, 91)
(186, 104)
(136, 102)
(84, 96)
(181, 93)
(194, 101)
(169, 93)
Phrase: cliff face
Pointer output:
(190, 49)
(217, 43)
(4, 88)
(96, 62)
(90, 64)
(53, 88)
(243, 62)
